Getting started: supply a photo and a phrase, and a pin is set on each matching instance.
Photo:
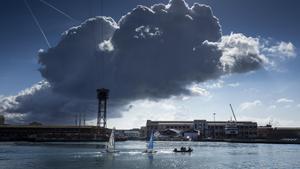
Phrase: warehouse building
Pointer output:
(208, 129)
(52, 133)
(275, 133)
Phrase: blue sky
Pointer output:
(261, 95)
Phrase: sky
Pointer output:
(267, 95)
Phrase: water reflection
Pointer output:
(150, 157)
(205, 155)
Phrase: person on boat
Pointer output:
(183, 149)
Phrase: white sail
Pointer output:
(111, 142)
(150, 145)
(110, 147)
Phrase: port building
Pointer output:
(52, 133)
(207, 129)
(269, 132)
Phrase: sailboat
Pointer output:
(150, 145)
(110, 147)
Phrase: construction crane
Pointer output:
(232, 112)
(231, 128)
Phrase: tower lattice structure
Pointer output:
(102, 95)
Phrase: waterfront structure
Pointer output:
(163, 125)
(169, 135)
(191, 134)
(208, 129)
(52, 133)
(132, 134)
(269, 132)
(264, 132)
(226, 129)
(143, 132)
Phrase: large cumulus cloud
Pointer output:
(151, 53)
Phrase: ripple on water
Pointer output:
(205, 155)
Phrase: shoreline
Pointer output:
(252, 141)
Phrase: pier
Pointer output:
(52, 133)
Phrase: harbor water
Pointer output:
(90, 155)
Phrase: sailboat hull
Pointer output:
(112, 151)
(150, 151)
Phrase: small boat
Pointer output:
(110, 147)
(183, 150)
(150, 145)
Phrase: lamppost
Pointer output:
(214, 125)
(214, 116)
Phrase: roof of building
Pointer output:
(176, 124)
(230, 121)
(192, 122)
(286, 128)
(170, 121)
(44, 126)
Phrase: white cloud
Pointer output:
(239, 50)
(166, 105)
(234, 84)
(288, 106)
(216, 85)
(250, 105)
(38, 103)
(241, 53)
(144, 110)
(106, 45)
(14, 117)
(272, 107)
(219, 84)
(282, 50)
(284, 100)
(274, 121)
(140, 58)
(198, 91)
(298, 105)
